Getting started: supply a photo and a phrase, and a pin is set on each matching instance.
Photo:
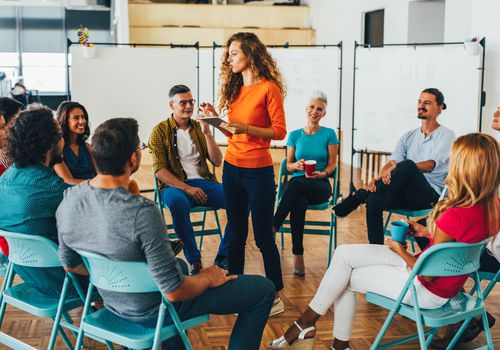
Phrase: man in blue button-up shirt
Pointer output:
(414, 176)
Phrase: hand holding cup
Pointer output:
(399, 230)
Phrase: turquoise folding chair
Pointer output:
(128, 277)
(202, 231)
(331, 225)
(487, 276)
(37, 251)
(446, 259)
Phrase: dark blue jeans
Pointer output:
(179, 204)
(252, 188)
(251, 297)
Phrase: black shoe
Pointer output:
(475, 327)
(222, 262)
(176, 245)
(196, 267)
(363, 195)
(347, 206)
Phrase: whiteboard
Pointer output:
(130, 82)
(304, 71)
(389, 81)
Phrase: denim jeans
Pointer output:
(179, 204)
(408, 189)
(251, 297)
(252, 188)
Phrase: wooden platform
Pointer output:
(297, 293)
(161, 23)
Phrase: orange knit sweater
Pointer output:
(259, 105)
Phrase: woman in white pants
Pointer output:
(470, 214)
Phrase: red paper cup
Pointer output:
(310, 167)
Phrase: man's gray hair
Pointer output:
(319, 95)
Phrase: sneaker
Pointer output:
(222, 262)
(196, 267)
(176, 245)
(278, 307)
(347, 206)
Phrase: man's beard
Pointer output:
(423, 117)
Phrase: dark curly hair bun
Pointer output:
(32, 135)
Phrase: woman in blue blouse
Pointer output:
(312, 142)
(78, 164)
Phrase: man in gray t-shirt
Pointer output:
(102, 217)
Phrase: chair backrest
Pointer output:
(450, 259)
(119, 276)
(157, 197)
(31, 250)
(284, 172)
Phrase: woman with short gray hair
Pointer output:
(315, 144)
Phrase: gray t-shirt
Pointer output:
(120, 226)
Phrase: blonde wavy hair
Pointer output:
(473, 178)
(260, 63)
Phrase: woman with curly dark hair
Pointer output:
(252, 91)
(78, 164)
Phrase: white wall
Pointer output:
(342, 20)
(430, 12)
(467, 18)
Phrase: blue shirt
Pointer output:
(29, 198)
(81, 166)
(312, 147)
(415, 146)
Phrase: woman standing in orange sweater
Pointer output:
(252, 90)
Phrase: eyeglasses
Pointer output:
(142, 146)
(184, 103)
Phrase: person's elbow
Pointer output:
(279, 133)
(217, 162)
(182, 293)
(175, 296)
(431, 166)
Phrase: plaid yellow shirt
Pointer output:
(164, 151)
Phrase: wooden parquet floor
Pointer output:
(214, 335)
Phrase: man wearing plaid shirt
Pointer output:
(180, 148)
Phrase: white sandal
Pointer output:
(302, 343)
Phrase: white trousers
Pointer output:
(364, 268)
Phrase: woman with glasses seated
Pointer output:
(470, 214)
(312, 142)
(78, 164)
